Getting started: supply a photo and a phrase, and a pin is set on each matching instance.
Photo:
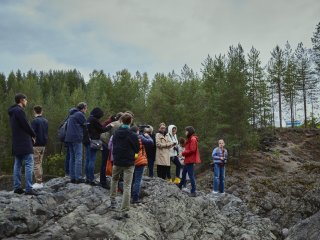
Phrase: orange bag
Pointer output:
(109, 166)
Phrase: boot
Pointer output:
(176, 180)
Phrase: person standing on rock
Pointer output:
(192, 156)
(40, 127)
(163, 144)
(74, 138)
(219, 155)
(23, 138)
(125, 146)
(174, 152)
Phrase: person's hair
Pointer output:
(18, 97)
(162, 124)
(81, 106)
(126, 118)
(129, 112)
(118, 115)
(134, 129)
(190, 131)
(182, 141)
(37, 109)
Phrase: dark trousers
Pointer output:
(176, 162)
(104, 157)
(162, 171)
(150, 166)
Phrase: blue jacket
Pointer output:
(22, 133)
(40, 126)
(217, 153)
(151, 149)
(125, 146)
(76, 123)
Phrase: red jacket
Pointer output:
(191, 151)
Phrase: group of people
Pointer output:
(127, 147)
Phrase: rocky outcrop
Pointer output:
(307, 229)
(80, 211)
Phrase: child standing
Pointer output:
(219, 156)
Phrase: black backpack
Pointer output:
(62, 131)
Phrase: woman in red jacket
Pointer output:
(192, 156)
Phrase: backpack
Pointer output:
(62, 131)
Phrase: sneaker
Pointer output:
(185, 189)
(105, 186)
(215, 192)
(18, 191)
(93, 183)
(37, 185)
(194, 194)
(31, 192)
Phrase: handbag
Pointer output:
(96, 144)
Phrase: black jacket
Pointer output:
(22, 133)
(93, 124)
(40, 127)
(125, 146)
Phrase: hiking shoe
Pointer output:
(177, 180)
(113, 205)
(81, 180)
(93, 183)
(193, 194)
(73, 181)
(105, 186)
(18, 191)
(31, 192)
(37, 185)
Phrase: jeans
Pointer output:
(18, 161)
(38, 153)
(150, 167)
(176, 162)
(218, 181)
(75, 161)
(67, 161)
(91, 155)
(104, 157)
(137, 177)
(127, 178)
(188, 168)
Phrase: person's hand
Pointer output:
(221, 158)
(33, 140)
(146, 135)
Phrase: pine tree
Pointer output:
(276, 71)
(316, 48)
(290, 81)
(305, 82)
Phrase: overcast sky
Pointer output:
(146, 35)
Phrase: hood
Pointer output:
(170, 129)
(97, 113)
(11, 109)
(122, 132)
(72, 111)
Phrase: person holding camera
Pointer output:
(174, 152)
(219, 155)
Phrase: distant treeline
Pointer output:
(233, 96)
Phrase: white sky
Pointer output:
(145, 35)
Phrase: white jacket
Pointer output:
(173, 138)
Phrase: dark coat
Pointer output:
(94, 126)
(76, 123)
(22, 133)
(151, 149)
(40, 126)
(125, 146)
